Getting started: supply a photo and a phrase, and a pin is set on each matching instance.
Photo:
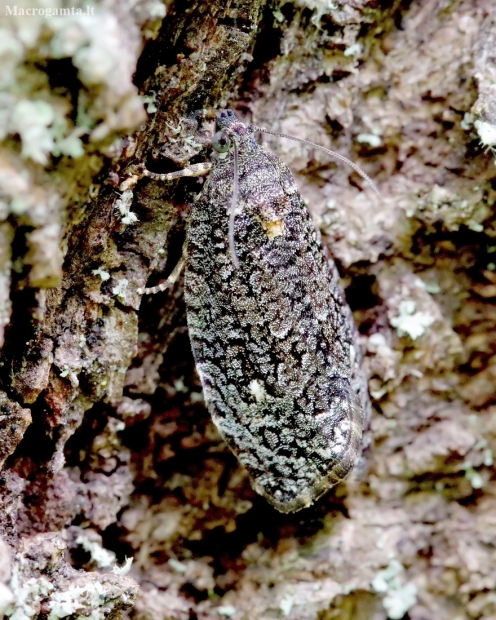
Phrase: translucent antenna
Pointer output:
(328, 151)
(234, 205)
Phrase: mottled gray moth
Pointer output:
(272, 335)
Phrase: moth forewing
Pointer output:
(270, 331)
(273, 338)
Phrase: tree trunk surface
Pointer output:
(106, 447)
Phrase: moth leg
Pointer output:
(170, 280)
(195, 170)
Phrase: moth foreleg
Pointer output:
(170, 280)
(195, 170)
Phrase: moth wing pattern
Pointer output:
(273, 340)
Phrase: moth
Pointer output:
(272, 335)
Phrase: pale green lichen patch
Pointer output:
(356, 49)
(77, 600)
(400, 596)
(31, 120)
(6, 598)
(123, 207)
(102, 557)
(41, 580)
(371, 139)
(487, 132)
(286, 604)
(104, 275)
(226, 610)
(27, 593)
(103, 54)
(120, 289)
(473, 476)
(441, 205)
(411, 322)
(124, 569)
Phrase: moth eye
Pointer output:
(221, 142)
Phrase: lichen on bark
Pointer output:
(105, 441)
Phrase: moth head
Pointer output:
(227, 119)
(228, 122)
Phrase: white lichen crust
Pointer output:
(44, 585)
(273, 340)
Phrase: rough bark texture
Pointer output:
(106, 448)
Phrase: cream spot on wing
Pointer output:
(257, 390)
(274, 229)
(353, 355)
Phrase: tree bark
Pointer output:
(106, 447)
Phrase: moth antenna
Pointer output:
(328, 151)
(234, 204)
